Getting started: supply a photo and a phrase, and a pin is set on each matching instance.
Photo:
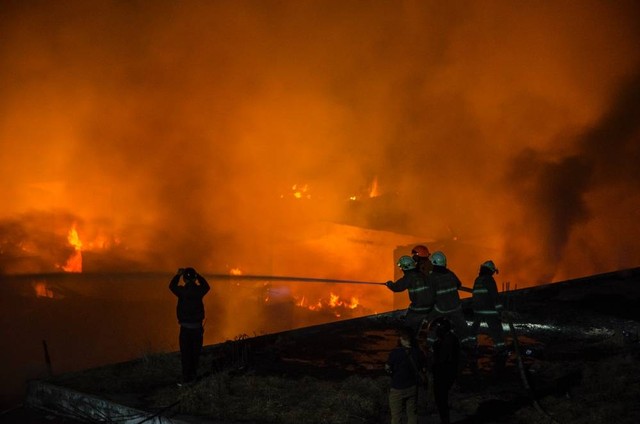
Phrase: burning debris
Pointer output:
(42, 290)
(333, 303)
(37, 243)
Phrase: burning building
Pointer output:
(312, 139)
(180, 130)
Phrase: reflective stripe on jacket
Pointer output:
(485, 296)
(447, 285)
(421, 292)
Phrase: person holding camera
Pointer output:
(190, 312)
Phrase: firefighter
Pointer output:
(448, 303)
(190, 312)
(421, 255)
(487, 307)
(421, 293)
(407, 366)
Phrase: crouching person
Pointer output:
(407, 367)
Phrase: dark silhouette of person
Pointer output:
(422, 293)
(444, 365)
(407, 366)
(487, 307)
(448, 302)
(190, 312)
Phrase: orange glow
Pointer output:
(42, 290)
(74, 262)
(100, 242)
(374, 190)
(301, 191)
(334, 302)
(322, 150)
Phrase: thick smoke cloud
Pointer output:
(555, 192)
(179, 129)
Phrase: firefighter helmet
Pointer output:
(438, 258)
(490, 265)
(421, 251)
(189, 274)
(406, 263)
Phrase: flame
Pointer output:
(74, 262)
(374, 190)
(301, 191)
(42, 290)
(334, 302)
(235, 271)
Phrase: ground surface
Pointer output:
(578, 345)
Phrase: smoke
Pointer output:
(28, 243)
(180, 130)
(555, 193)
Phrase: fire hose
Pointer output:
(286, 278)
(523, 374)
(302, 279)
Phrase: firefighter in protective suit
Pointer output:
(448, 302)
(421, 293)
(487, 307)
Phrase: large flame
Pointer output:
(74, 263)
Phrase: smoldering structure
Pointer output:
(242, 135)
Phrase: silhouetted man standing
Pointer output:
(406, 365)
(190, 311)
(444, 365)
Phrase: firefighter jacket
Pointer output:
(486, 301)
(446, 284)
(421, 292)
(190, 308)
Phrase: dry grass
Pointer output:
(270, 399)
(609, 393)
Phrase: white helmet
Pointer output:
(438, 258)
(406, 263)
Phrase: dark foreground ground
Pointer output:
(578, 347)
